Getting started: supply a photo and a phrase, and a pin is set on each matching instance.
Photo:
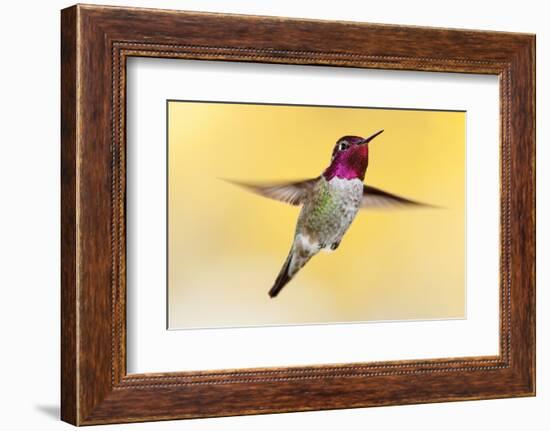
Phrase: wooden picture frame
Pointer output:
(96, 41)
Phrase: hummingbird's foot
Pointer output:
(334, 245)
(322, 246)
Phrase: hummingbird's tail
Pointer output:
(296, 259)
(282, 279)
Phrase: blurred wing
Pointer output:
(374, 198)
(292, 193)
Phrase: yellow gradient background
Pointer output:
(226, 245)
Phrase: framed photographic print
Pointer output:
(264, 215)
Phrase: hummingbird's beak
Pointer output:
(371, 137)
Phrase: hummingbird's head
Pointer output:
(350, 158)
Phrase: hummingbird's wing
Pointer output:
(374, 198)
(292, 193)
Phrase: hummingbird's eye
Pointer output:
(343, 145)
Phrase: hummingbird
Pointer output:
(329, 203)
